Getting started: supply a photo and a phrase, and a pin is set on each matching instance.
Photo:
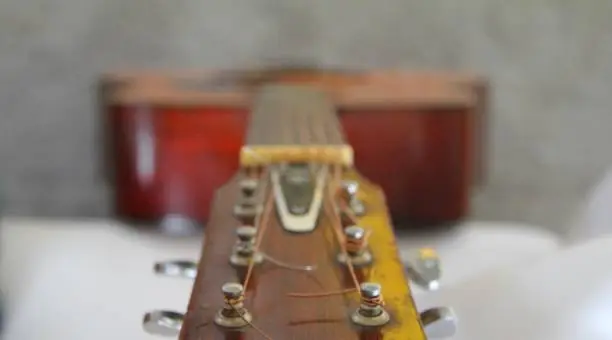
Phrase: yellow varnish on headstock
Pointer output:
(387, 268)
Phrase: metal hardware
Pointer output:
(357, 251)
(370, 313)
(425, 269)
(439, 322)
(177, 268)
(177, 224)
(244, 250)
(350, 189)
(298, 194)
(233, 314)
(247, 210)
(163, 322)
(248, 186)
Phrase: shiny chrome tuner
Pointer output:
(357, 251)
(247, 209)
(439, 322)
(233, 314)
(244, 250)
(370, 312)
(179, 225)
(177, 268)
(350, 189)
(163, 322)
(424, 270)
(248, 186)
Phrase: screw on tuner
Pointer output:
(349, 193)
(425, 269)
(248, 206)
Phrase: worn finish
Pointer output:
(283, 317)
(432, 138)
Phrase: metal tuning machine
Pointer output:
(370, 313)
(177, 268)
(349, 191)
(248, 206)
(244, 250)
(425, 269)
(439, 322)
(163, 322)
(357, 249)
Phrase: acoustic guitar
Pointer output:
(174, 137)
(299, 245)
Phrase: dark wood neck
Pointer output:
(293, 115)
(294, 123)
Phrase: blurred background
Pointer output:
(547, 60)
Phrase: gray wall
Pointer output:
(548, 61)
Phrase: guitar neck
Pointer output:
(286, 257)
(291, 123)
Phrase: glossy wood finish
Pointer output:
(189, 158)
(284, 317)
(419, 158)
(429, 134)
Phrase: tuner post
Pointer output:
(247, 209)
(425, 269)
(244, 250)
(371, 312)
(233, 314)
(357, 251)
(248, 206)
(349, 194)
(248, 187)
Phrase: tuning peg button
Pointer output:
(350, 189)
(248, 186)
(177, 268)
(439, 322)
(163, 322)
(425, 269)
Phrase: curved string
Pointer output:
(340, 239)
(262, 223)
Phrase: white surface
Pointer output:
(565, 296)
(85, 280)
(93, 279)
(475, 247)
(595, 217)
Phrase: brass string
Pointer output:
(260, 224)
(340, 239)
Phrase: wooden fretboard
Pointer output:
(291, 123)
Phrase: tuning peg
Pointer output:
(350, 189)
(439, 322)
(176, 224)
(163, 322)
(425, 269)
(177, 268)
(248, 186)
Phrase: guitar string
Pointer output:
(260, 224)
(337, 229)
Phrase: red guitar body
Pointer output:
(419, 136)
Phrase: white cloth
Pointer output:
(93, 278)
(595, 217)
(566, 295)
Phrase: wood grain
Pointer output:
(283, 317)
(293, 115)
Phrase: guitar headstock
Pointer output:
(298, 245)
(301, 284)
